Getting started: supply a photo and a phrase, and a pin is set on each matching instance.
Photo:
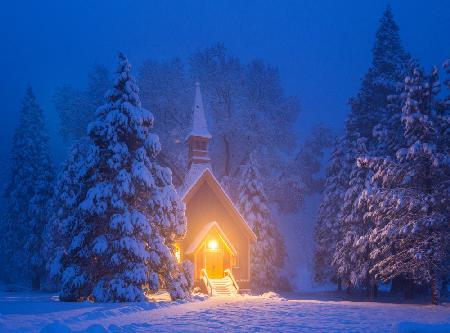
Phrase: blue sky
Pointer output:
(322, 48)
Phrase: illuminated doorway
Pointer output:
(213, 251)
(217, 255)
(214, 258)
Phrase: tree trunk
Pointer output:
(398, 284)
(227, 156)
(35, 281)
(434, 290)
(372, 289)
(339, 284)
(444, 288)
(409, 289)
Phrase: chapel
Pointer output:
(218, 239)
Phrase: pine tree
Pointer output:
(374, 110)
(351, 257)
(390, 63)
(412, 222)
(28, 192)
(269, 252)
(65, 217)
(371, 112)
(124, 230)
(327, 227)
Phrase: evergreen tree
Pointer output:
(65, 217)
(412, 234)
(124, 229)
(370, 119)
(351, 257)
(327, 227)
(28, 192)
(268, 253)
(390, 63)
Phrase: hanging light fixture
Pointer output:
(213, 245)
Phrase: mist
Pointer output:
(320, 48)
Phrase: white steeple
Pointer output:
(199, 124)
(198, 138)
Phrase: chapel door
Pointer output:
(214, 263)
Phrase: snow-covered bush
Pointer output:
(181, 284)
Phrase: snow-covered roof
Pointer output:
(199, 124)
(193, 175)
(202, 234)
(200, 173)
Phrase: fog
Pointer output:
(321, 48)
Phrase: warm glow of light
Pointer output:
(213, 245)
(178, 254)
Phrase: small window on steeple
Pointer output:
(200, 145)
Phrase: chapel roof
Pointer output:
(205, 176)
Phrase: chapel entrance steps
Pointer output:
(223, 287)
(226, 286)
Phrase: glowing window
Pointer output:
(177, 253)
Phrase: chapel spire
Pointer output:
(198, 138)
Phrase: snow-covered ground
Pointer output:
(42, 312)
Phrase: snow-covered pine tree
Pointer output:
(268, 254)
(390, 63)
(443, 124)
(370, 109)
(412, 233)
(130, 215)
(327, 229)
(28, 193)
(375, 109)
(351, 257)
(65, 216)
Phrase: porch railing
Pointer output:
(230, 275)
(205, 279)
